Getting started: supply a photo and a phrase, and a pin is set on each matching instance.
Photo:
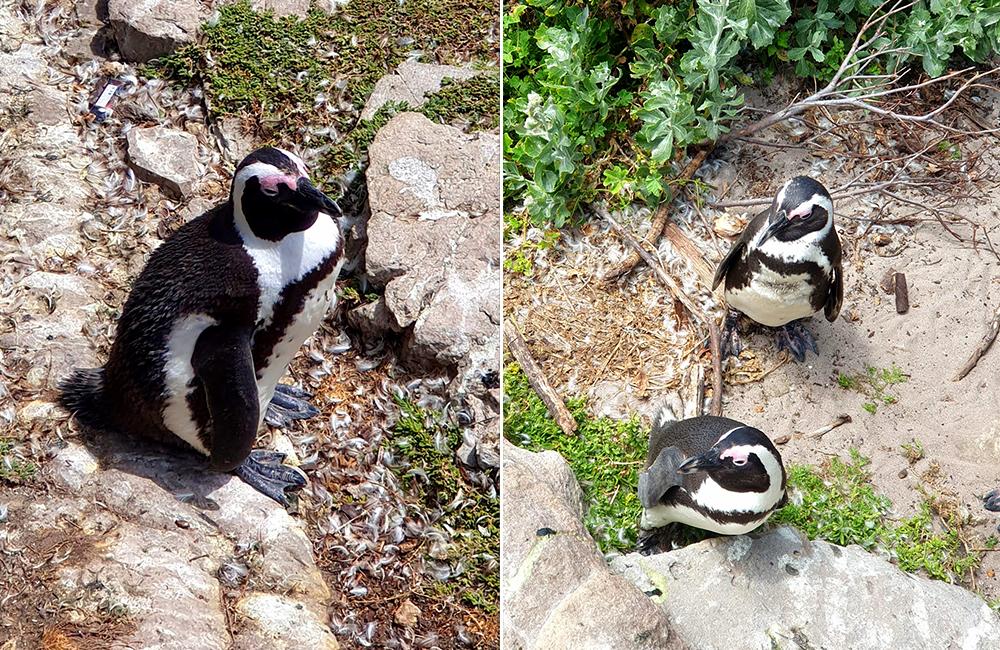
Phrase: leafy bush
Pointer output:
(604, 98)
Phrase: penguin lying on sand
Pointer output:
(214, 319)
(785, 267)
(708, 472)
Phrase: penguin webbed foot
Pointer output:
(656, 540)
(796, 338)
(263, 471)
(992, 501)
(731, 345)
(287, 405)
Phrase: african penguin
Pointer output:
(708, 472)
(786, 266)
(214, 319)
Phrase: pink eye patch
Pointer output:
(270, 183)
(740, 455)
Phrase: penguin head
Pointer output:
(802, 206)
(742, 471)
(272, 192)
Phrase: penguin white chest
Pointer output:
(773, 299)
(297, 287)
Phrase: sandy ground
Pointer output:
(954, 288)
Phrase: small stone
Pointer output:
(166, 157)
(412, 82)
(882, 239)
(782, 439)
(407, 614)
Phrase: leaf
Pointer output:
(667, 115)
(715, 42)
(764, 17)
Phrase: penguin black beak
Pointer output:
(778, 222)
(307, 198)
(701, 463)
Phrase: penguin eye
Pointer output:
(269, 191)
(739, 462)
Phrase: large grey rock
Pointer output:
(783, 591)
(434, 244)
(165, 156)
(556, 589)
(412, 82)
(148, 29)
(159, 532)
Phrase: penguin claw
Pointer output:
(287, 405)
(653, 541)
(795, 338)
(263, 471)
(992, 501)
(731, 345)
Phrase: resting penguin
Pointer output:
(708, 472)
(214, 319)
(785, 267)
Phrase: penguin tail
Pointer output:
(83, 395)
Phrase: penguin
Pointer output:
(785, 267)
(992, 501)
(708, 472)
(214, 319)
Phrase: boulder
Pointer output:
(556, 589)
(434, 245)
(166, 157)
(412, 82)
(149, 29)
(782, 591)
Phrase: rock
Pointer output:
(272, 621)
(781, 587)
(557, 590)
(412, 82)
(153, 28)
(434, 243)
(159, 530)
(407, 614)
(166, 157)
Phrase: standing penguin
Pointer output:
(214, 319)
(708, 472)
(785, 266)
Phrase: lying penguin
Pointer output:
(708, 472)
(785, 267)
(214, 319)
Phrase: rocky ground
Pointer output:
(112, 543)
(930, 438)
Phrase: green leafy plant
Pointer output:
(913, 451)
(603, 100)
(14, 469)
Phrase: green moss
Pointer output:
(839, 504)
(874, 384)
(605, 456)
(275, 70)
(13, 469)
(476, 99)
(431, 474)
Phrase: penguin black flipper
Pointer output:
(740, 245)
(660, 476)
(835, 294)
(223, 361)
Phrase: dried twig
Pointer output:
(902, 293)
(714, 334)
(841, 419)
(982, 348)
(659, 219)
(557, 409)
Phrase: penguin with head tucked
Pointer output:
(214, 319)
(708, 472)
(785, 266)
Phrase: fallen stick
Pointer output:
(683, 244)
(841, 419)
(557, 409)
(714, 334)
(902, 294)
(659, 219)
(983, 348)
